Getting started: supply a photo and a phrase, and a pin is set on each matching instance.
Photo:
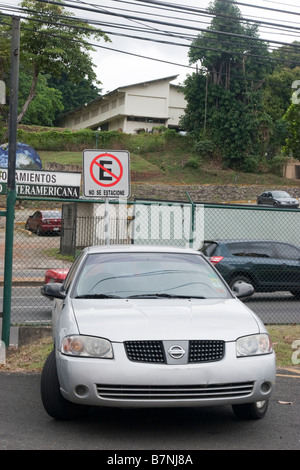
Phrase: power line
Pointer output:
(163, 33)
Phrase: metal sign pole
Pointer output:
(106, 222)
(11, 179)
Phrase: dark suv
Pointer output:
(268, 265)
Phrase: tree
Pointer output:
(278, 91)
(225, 96)
(53, 42)
(73, 95)
(292, 118)
(5, 51)
(47, 104)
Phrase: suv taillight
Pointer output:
(215, 259)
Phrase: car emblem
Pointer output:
(176, 351)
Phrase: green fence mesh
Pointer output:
(255, 244)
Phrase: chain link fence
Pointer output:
(256, 244)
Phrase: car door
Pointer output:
(257, 260)
(35, 220)
(269, 269)
(262, 198)
(289, 261)
(269, 199)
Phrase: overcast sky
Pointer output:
(116, 67)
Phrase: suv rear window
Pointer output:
(253, 249)
(208, 248)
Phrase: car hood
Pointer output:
(285, 199)
(164, 319)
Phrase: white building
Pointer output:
(130, 108)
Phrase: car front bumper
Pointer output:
(122, 383)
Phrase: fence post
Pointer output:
(192, 222)
(11, 179)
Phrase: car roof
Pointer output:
(234, 240)
(50, 211)
(138, 249)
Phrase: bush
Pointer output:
(67, 140)
(193, 162)
(204, 148)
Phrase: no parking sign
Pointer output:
(106, 173)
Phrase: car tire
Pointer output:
(256, 410)
(38, 232)
(54, 403)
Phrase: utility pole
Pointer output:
(11, 178)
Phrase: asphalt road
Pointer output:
(24, 425)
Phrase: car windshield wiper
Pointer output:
(97, 296)
(165, 295)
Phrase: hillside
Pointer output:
(165, 175)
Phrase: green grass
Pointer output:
(169, 167)
(283, 337)
(54, 253)
(30, 358)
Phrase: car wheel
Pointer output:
(53, 401)
(38, 231)
(256, 410)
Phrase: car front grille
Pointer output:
(145, 351)
(174, 392)
(154, 351)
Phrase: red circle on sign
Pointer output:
(96, 163)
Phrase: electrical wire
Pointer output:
(152, 25)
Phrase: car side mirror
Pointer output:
(53, 290)
(243, 289)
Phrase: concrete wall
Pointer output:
(292, 170)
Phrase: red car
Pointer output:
(44, 222)
(55, 275)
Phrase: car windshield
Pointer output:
(51, 215)
(148, 275)
(280, 194)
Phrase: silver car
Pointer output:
(278, 199)
(153, 327)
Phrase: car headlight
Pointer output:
(87, 346)
(253, 345)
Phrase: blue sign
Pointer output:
(26, 157)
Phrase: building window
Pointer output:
(144, 119)
(104, 108)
